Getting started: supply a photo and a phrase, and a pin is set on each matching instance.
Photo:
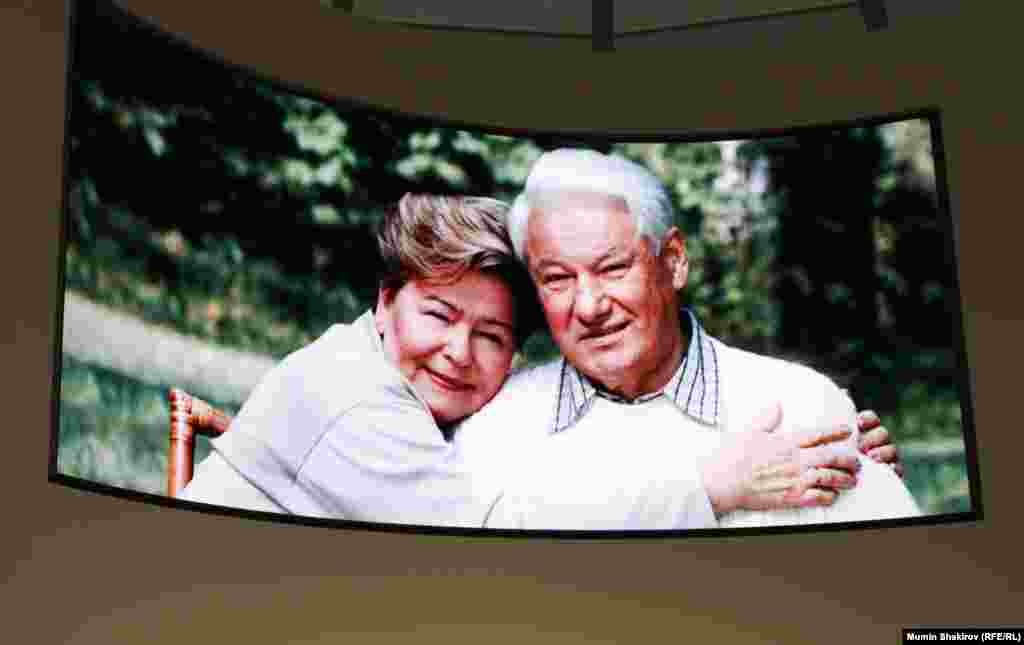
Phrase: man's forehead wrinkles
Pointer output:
(592, 258)
(582, 235)
(590, 243)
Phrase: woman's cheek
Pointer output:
(496, 369)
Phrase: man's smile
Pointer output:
(604, 335)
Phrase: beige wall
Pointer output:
(83, 568)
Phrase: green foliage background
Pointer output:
(217, 205)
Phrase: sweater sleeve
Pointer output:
(810, 400)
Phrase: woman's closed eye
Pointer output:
(615, 269)
(443, 317)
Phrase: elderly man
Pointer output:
(642, 392)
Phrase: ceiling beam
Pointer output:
(874, 13)
(603, 25)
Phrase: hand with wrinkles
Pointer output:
(875, 441)
(760, 469)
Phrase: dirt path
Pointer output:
(104, 337)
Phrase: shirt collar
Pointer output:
(693, 387)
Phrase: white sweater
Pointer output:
(629, 467)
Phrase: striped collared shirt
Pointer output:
(693, 388)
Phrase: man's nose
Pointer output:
(457, 346)
(592, 303)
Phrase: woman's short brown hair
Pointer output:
(439, 238)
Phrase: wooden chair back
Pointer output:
(190, 416)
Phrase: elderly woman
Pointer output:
(357, 424)
(354, 425)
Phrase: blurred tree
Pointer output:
(865, 262)
(916, 242)
(824, 188)
(187, 156)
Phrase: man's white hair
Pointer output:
(570, 170)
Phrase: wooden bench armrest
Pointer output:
(190, 416)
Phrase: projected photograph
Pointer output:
(279, 301)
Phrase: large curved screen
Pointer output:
(279, 303)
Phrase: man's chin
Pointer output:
(607, 372)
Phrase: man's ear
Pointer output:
(673, 253)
